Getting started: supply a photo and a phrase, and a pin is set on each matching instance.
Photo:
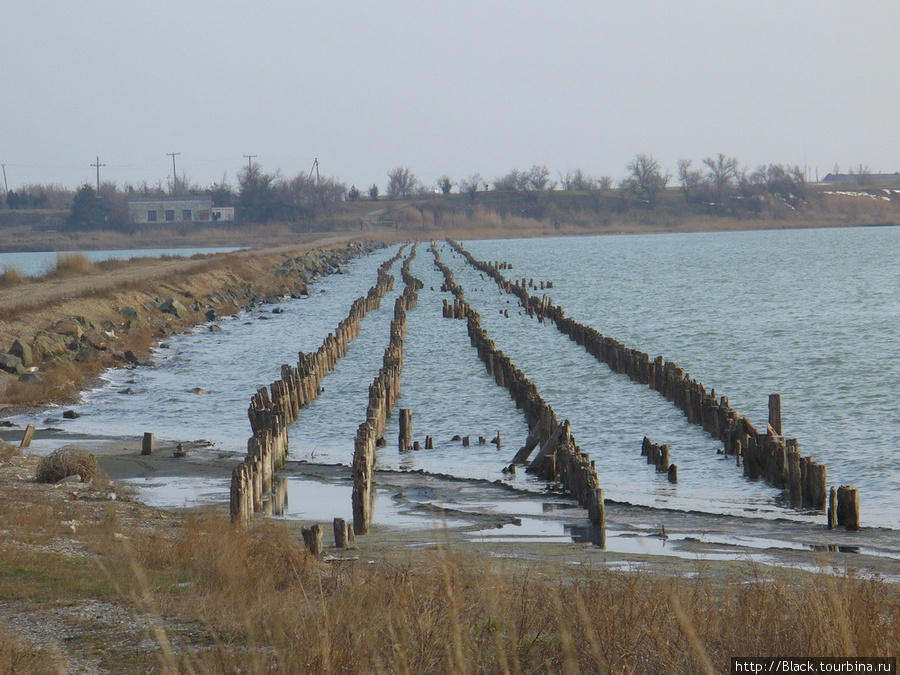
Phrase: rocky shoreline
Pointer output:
(120, 328)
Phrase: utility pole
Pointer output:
(98, 165)
(174, 175)
(249, 162)
(5, 184)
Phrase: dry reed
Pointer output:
(11, 277)
(68, 461)
(269, 608)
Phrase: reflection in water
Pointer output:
(588, 535)
(275, 504)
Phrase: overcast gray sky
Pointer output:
(441, 87)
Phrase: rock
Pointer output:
(70, 415)
(215, 329)
(31, 378)
(180, 451)
(128, 391)
(69, 327)
(46, 345)
(199, 391)
(131, 357)
(211, 315)
(86, 353)
(12, 364)
(96, 340)
(74, 478)
(172, 306)
(278, 310)
(23, 351)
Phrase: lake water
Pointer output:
(33, 264)
(810, 314)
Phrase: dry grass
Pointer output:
(71, 265)
(11, 277)
(8, 451)
(215, 598)
(68, 461)
(60, 382)
(265, 606)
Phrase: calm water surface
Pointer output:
(809, 314)
(33, 264)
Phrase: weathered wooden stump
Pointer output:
(341, 533)
(312, 538)
(429, 443)
(775, 413)
(147, 444)
(832, 508)
(672, 473)
(405, 441)
(27, 436)
(848, 507)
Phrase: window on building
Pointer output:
(170, 215)
(151, 216)
(186, 214)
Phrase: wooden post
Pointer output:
(147, 445)
(672, 473)
(848, 507)
(832, 508)
(429, 443)
(312, 538)
(340, 533)
(26, 438)
(775, 413)
(405, 440)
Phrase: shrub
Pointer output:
(11, 277)
(8, 451)
(68, 462)
(72, 264)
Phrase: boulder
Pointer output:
(31, 378)
(70, 415)
(86, 353)
(23, 351)
(211, 315)
(12, 364)
(69, 327)
(48, 344)
(95, 340)
(172, 306)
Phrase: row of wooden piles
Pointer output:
(767, 455)
(383, 394)
(559, 458)
(274, 407)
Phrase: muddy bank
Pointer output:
(417, 511)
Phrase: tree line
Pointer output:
(718, 185)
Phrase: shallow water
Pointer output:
(809, 314)
(33, 264)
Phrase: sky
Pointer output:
(443, 88)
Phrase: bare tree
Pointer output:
(722, 172)
(445, 185)
(538, 179)
(691, 180)
(646, 180)
(472, 184)
(402, 183)
(862, 173)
